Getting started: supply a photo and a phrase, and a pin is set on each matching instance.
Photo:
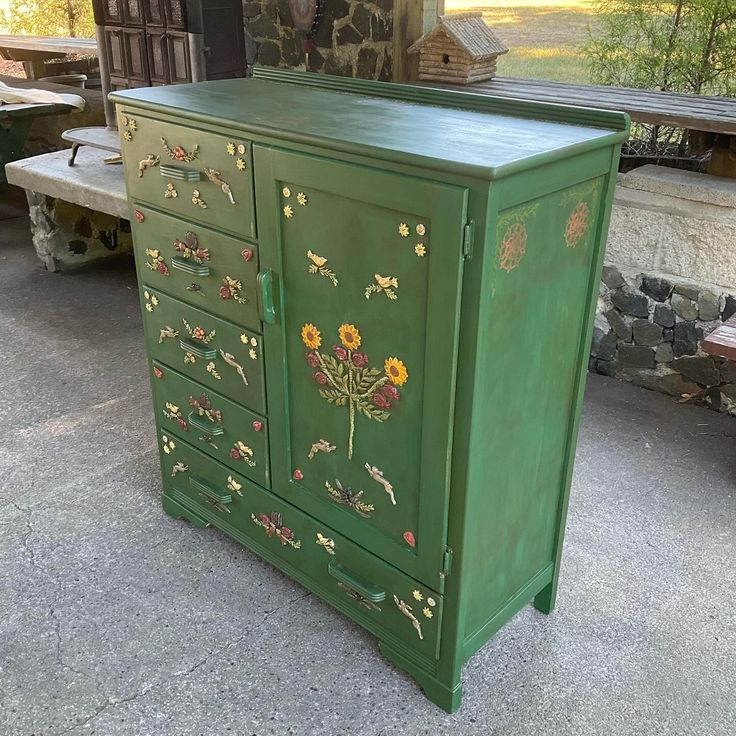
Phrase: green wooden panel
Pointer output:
(540, 262)
(365, 452)
(198, 265)
(217, 354)
(188, 172)
(211, 422)
(329, 563)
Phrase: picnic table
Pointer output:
(34, 51)
(712, 115)
(15, 122)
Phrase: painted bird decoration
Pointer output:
(386, 284)
(317, 260)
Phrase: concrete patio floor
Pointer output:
(117, 620)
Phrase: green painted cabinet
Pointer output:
(368, 337)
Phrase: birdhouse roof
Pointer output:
(468, 31)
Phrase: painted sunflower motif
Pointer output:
(395, 371)
(349, 336)
(577, 224)
(311, 336)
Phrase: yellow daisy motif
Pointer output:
(253, 355)
(302, 199)
(404, 230)
(244, 339)
(172, 444)
(395, 371)
(311, 336)
(427, 612)
(349, 336)
(286, 192)
(152, 253)
(154, 300)
(149, 307)
(127, 136)
(240, 164)
(230, 148)
(420, 250)
(421, 229)
(166, 449)
(417, 595)
(289, 211)
(132, 125)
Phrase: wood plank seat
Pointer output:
(713, 115)
(721, 343)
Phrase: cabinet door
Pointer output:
(133, 12)
(364, 269)
(108, 11)
(157, 50)
(177, 45)
(115, 51)
(136, 63)
(175, 14)
(155, 13)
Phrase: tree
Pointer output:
(668, 45)
(43, 18)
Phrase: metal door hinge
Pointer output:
(468, 235)
(446, 562)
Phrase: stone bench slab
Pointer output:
(89, 183)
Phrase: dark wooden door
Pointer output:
(223, 38)
(155, 13)
(136, 58)
(108, 11)
(175, 12)
(133, 12)
(158, 55)
(177, 44)
(115, 51)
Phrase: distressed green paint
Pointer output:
(478, 446)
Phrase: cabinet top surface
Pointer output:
(361, 123)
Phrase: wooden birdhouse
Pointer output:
(461, 49)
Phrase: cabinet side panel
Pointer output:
(545, 255)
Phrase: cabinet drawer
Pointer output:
(376, 595)
(215, 353)
(220, 427)
(198, 265)
(199, 175)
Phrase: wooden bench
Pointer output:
(714, 116)
(721, 343)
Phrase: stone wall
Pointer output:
(669, 280)
(353, 39)
(67, 235)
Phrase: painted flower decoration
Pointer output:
(320, 377)
(312, 359)
(421, 229)
(577, 224)
(391, 392)
(360, 360)
(427, 612)
(512, 248)
(396, 371)
(349, 336)
(302, 199)
(420, 250)
(286, 192)
(179, 153)
(230, 148)
(417, 595)
(311, 336)
(409, 539)
(340, 352)
(240, 164)
(381, 401)
(288, 211)
(198, 333)
(404, 230)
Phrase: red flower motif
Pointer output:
(381, 401)
(179, 153)
(234, 454)
(247, 254)
(320, 377)
(202, 253)
(391, 391)
(264, 519)
(360, 359)
(217, 415)
(409, 539)
(312, 359)
(225, 292)
(340, 352)
(286, 532)
(180, 246)
(158, 372)
(139, 216)
(162, 268)
(198, 333)
(297, 474)
(257, 426)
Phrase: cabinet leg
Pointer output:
(177, 511)
(447, 696)
(544, 601)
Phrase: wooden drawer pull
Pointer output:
(204, 425)
(182, 264)
(367, 590)
(190, 346)
(266, 283)
(218, 499)
(180, 173)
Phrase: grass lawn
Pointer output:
(543, 36)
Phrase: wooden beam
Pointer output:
(412, 19)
